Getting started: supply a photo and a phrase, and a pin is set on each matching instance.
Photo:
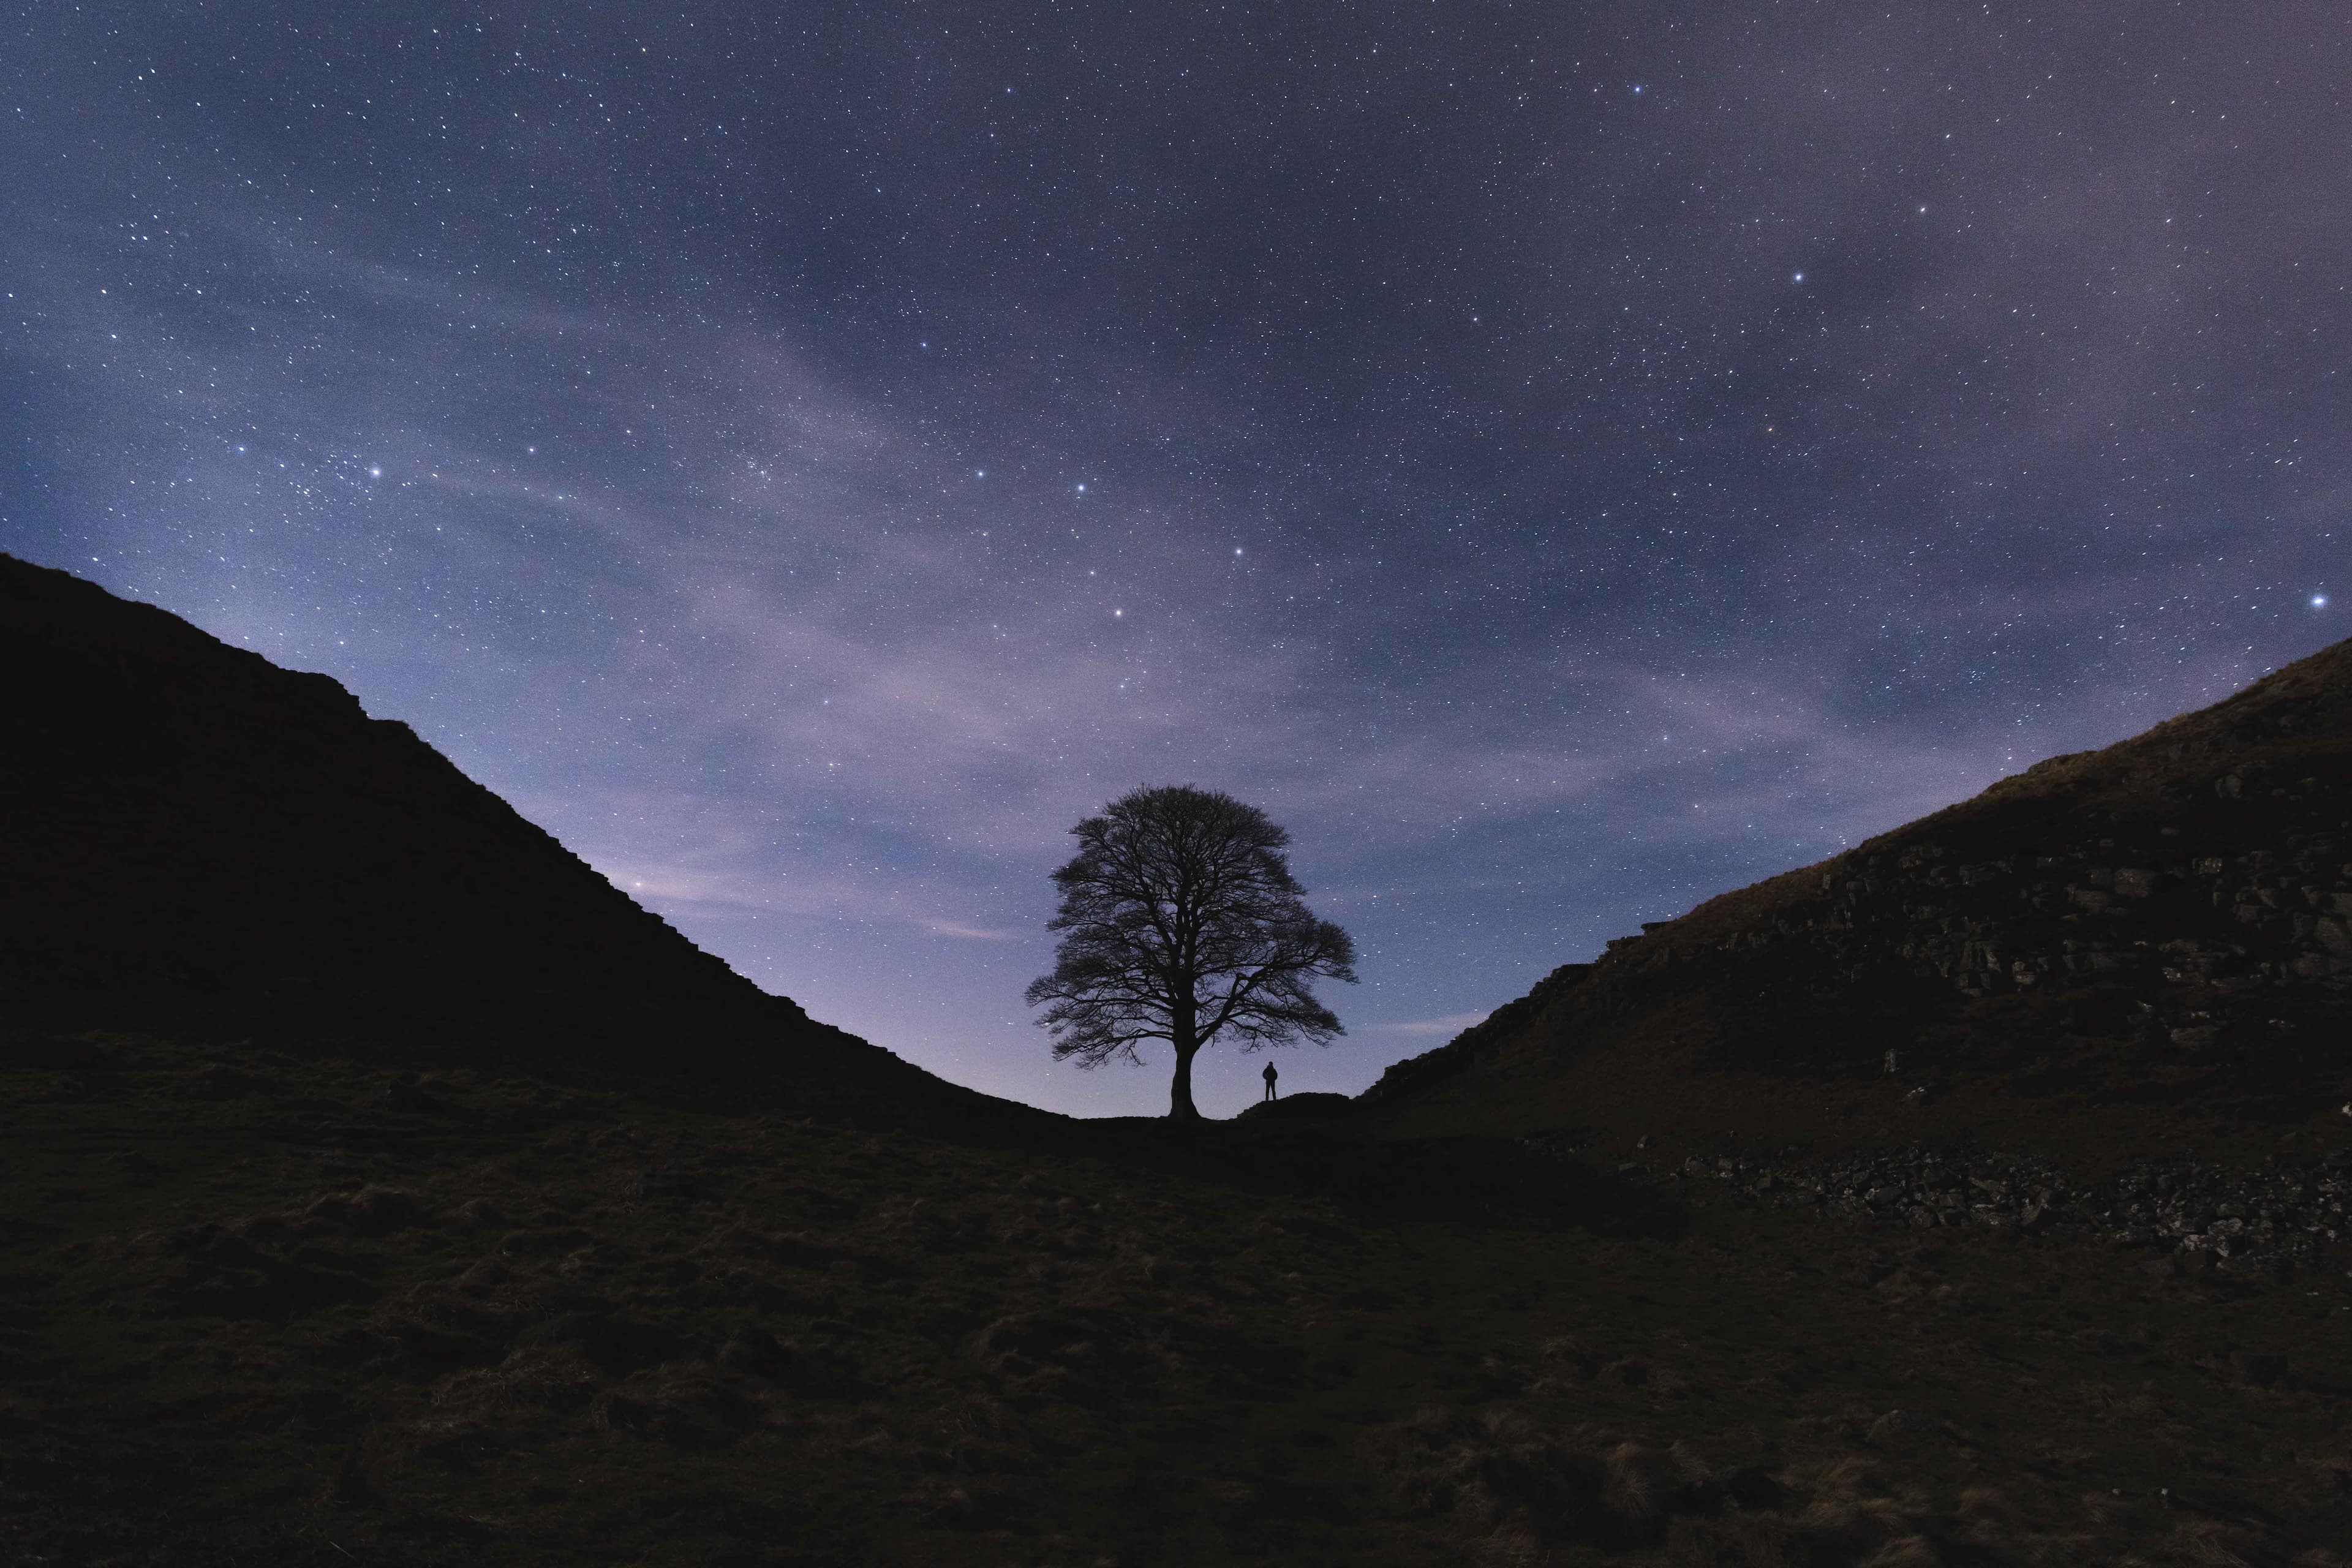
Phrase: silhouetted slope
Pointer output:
(192, 837)
(2150, 943)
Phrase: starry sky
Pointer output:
(1561, 460)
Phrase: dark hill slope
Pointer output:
(2129, 951)
(193, 839)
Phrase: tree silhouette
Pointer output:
(1181, 921)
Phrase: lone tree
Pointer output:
(1181, 921)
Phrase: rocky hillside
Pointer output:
(2143, 948)
(195, 839)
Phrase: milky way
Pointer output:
(1561, 461)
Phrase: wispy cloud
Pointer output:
(968, 934)
(1452, 1024)
(774, 648)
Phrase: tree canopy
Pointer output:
(1181, 921)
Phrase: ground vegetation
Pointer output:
(264, 1303)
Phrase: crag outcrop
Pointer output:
(2153, 940)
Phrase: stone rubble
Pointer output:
(2267, 919)
(2225, 957)
(2264, 1222)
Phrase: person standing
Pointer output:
(1270, 1075)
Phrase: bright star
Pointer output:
(2319, 601)
(375, 473)
(1801, 278)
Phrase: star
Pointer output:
(1527, 534)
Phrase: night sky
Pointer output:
(1562, 461)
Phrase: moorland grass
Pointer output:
(267, 1306)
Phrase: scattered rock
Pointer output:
(1566, 1143)
(2257, 1224)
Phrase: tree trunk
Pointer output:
(1180, 1097)
(1180, 1105)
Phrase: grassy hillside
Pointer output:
(198, 839)
(2134, 950)
(378, 1184)
(269, 1306)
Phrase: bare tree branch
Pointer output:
(1181, 921)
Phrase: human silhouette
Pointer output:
(1270, 1075)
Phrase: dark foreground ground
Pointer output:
(261, 1307)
